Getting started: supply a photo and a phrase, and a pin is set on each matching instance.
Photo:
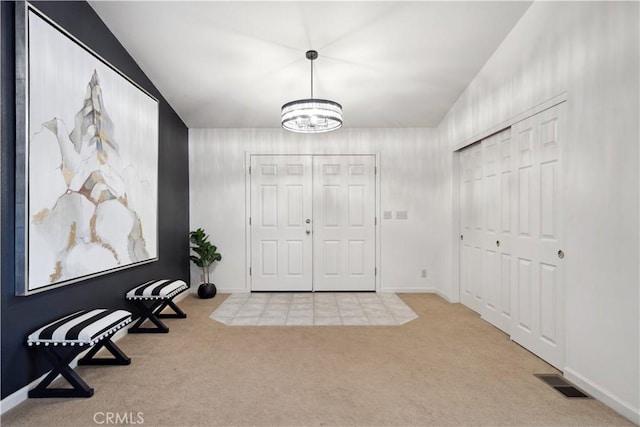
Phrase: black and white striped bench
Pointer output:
(152, 298)
(63, 339)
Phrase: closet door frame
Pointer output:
(455, 295)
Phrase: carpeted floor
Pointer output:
(446, 368)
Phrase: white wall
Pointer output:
(217, 195)
(590, 51)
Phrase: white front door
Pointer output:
(344, 223)
(312, 221)
(538, 290)
(281, 248)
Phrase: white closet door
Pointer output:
(471, 227)
(538, 289)
(497, 279)
(344, 223)
(281, 248)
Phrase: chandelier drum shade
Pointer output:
(311, 115)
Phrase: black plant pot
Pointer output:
(207, 290)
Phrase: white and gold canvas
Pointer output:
(92, 163)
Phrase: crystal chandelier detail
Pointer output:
(311, 115)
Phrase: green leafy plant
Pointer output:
(205, 253)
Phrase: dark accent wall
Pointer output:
(22, 315)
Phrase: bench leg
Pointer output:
(61, 366)
(119, 357)
(179, 314)
(148, 312)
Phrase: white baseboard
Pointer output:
(233, 291)
(408, 290)
(445, 296)
(21, 395)
(611, 400)
(384, 290)
(194, 290)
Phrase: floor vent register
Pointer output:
(563, 386)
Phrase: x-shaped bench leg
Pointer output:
(179, 314)
(61, 366)
(119, 357)
(148, 312)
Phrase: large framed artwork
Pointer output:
(87, 161)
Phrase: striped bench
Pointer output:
(64, 339)
(152, 298)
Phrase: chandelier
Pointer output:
(311, 115)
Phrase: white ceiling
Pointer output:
(233, 64)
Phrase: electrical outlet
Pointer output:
(388, 215)
(423, 273)
(402, 215)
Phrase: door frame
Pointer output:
(456, 226)
(247, 206)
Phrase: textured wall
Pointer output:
(21, 315)
(590, 51)
(217, 194)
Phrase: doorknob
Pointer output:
(308, 221)
(461, 237)
(308, 232)
(561, 254)
(498, 243)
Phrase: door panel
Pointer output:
(497, 235)
(540, 293)
(471, 227)
(486, 215)
(337, 242)
(280, 203)
(344, 223)
(525, 295)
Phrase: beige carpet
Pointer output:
(448, 367)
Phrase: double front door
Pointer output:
(312, 223)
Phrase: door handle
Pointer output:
(498, 243)
(308, 232)
(308, 221)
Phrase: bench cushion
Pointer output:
(86, 327)
(157, 289)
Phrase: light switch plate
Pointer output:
(402, 215)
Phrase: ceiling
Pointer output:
(233, 64)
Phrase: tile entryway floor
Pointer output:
(289, 309)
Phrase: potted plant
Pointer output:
(205, 255)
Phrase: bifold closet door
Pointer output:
(510, 253)
(344, 223)
(485, 224)
(538, 288)
(471, 227)
(496, 248)
(281, 209)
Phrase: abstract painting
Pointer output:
(91, 163)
